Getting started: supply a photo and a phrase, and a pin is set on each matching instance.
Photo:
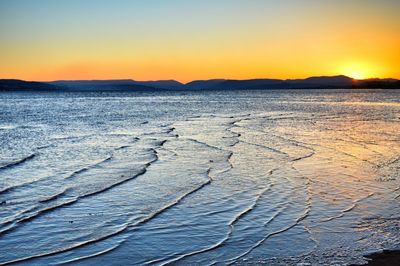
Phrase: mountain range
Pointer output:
(322, 82)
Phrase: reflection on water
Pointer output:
(274, 177)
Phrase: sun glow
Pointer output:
(356, 75)
(358, 71)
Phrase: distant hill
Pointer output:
(309, 83)
(20, 85)
(204, 84)
(213, 84)
(377, 83)
(323, 82)
(118, 85)
(162, 84)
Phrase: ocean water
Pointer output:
(199, 178)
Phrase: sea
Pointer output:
(247, 177)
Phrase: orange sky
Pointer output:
(187, 40)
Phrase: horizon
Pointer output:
(185, 83)
(189, 40)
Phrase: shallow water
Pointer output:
(199, 178)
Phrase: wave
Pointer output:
(177, 200)
(348, 209)
(220, 243)
(72, 175)
(87, 168)
(119, 231)
(102, 252)
(17, 162)
(303, 144)
(260, 242)
(39, 210)
(55, 196)
(64, 249)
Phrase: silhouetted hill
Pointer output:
(323, 82)
(377, 83)
(20, 85)
(308, 83)
(250, 84)
(162, 84)
(203, 84)
(118, 85)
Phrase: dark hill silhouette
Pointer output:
(162, 84)
(203, 84)
(330, 81)
(377, 83)
(323, 82)
(21, 85)
(250, 84)
(308, 83)
(119, 84)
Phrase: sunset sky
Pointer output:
(198, 39)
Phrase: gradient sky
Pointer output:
(198, 39)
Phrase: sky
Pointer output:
(185, 40)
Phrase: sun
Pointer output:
(356, 74)
(358, 70)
